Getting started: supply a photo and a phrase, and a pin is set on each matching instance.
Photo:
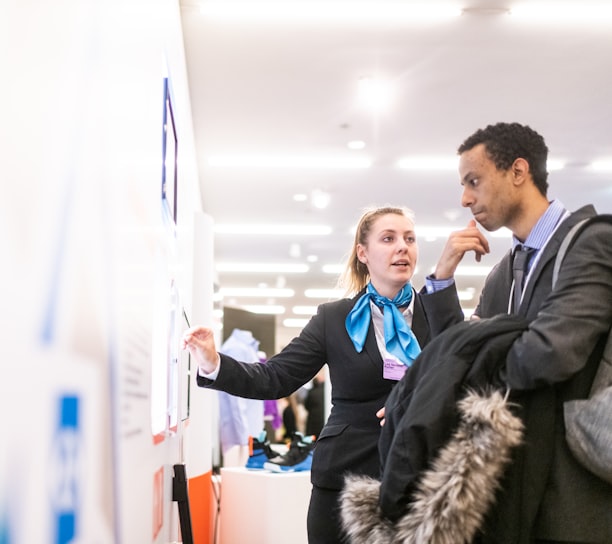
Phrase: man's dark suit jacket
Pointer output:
(421, 412)
(348, 442)
(547, 494)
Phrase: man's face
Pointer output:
(487, 191)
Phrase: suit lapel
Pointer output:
(371, 348)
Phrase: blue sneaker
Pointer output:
(297, 459)
(260, 451)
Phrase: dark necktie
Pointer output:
(519, 271)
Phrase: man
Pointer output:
(546, 495)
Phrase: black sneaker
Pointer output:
(259, 451)
(297, 459)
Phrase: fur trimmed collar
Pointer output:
(453, 496)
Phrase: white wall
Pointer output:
(88, 268)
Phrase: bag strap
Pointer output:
(603, 377)
(570, 238)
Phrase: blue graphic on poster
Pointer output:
(64, 469)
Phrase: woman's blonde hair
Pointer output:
(356, 276)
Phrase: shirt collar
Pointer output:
(545, 226)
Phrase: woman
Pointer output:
(366, 350)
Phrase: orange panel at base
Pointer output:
(203, 508)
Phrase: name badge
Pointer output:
(393, 369)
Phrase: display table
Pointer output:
(259, 507)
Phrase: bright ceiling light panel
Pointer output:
(268, 309)
(433, 233)
(295, 322)
(283, 230)
(374, 94)
(304, 310)
(466, 294)
(356, 144)
(473, 271)
(321, 11)
(320, 199)
(553, 165)
(257, 268)
(452, 163)
(324, 293)
(503, 232)
(467, 312)
(429, 163)
(561, 12)
(333, 268)
(305, 162)
(603, 165)
(268, 292)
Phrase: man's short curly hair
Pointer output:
(506, 142)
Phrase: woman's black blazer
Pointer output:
(349, 439)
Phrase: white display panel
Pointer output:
(93, 270)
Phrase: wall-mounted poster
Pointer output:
(169, 156)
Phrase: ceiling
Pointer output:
(289, 87)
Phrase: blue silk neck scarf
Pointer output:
(399, 338)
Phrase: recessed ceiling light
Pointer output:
(453, 214)
(320, 199)
(374, 94)
(295, 250)
(356, 144)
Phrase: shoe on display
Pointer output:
(297, 459)
(260, 451)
